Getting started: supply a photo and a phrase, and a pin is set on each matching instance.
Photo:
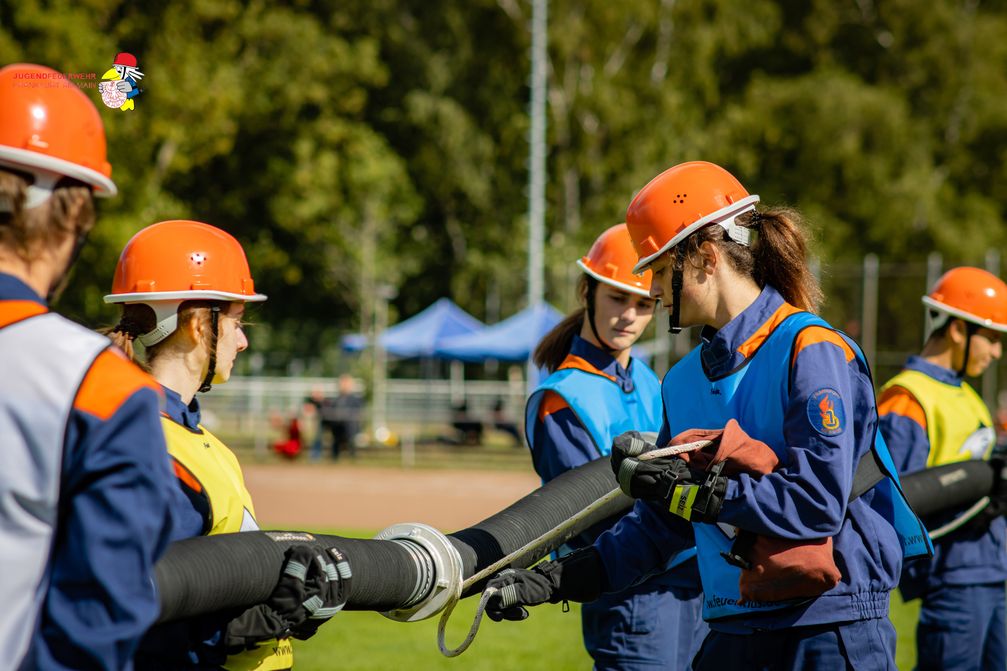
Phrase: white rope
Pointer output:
(548, 536)
(962, 519)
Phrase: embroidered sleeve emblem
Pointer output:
(826, 413)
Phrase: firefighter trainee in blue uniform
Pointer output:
(930, 416)
(597, 391)
(183, 286)
(795, 574)
(85, 484)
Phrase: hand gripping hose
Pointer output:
(533, 550)
(395, 572)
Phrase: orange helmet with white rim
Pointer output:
(175, 261)
(611, 260)
(972, 294)
(680, 201)
(50, 129)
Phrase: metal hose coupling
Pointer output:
(439, 570)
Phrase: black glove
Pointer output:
(628, 444)
(690, 493)
(314, 585)
(579, 576)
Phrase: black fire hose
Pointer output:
(212, 573)
(947, 487)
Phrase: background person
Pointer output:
(341, 415)
(595, 392)
(796, 569)
(183, 286)
(85, 484)
(930, 416)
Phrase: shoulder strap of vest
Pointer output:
(870, 471)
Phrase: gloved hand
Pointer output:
(579, 576)
(628, 444)
(314, 585)
(741, 452)
(688, 492)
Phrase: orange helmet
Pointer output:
(972, 294)
(50, 129)
(611, 261)
(680, 201)
(175, 261)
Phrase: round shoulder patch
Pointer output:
(825, 412)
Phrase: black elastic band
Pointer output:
(212, 368)
(676, 292)
(970, 330)
(592, 294)
(57, 287)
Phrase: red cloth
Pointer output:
(291, 447)
(781, 569)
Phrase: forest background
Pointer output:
(351, 144)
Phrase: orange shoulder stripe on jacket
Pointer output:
(551, 402)
(819, 334)
(899, 401)
(580, 363)
(186, 476)
(748, 348)
(15, 311)
(110, 382)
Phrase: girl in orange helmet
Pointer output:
(595, 392)
(183, 287)
(799, 524)
(85, 485)
(930, 416)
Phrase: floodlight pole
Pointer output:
(536, 167)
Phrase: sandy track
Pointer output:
(325, 496)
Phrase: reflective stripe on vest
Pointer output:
(217, 469)
(756, 396)
(959, 426)
(43, 359)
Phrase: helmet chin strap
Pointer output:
(970, 330)
(59, 284)
(592, 293)
(211, 369)
(674, 327)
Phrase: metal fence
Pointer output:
(244, 409)
(876, 302)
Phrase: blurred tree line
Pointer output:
(351, 143)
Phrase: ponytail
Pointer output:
(136, 320)
(781, 258)
(777, 255)
(553, 348)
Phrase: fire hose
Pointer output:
(411, 571)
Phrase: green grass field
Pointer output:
(549, 639)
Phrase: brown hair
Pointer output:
(777, 256)
(554, 347)
(69, 211)
(138, 319)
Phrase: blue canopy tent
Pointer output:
(420, 335)
(513, 339)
